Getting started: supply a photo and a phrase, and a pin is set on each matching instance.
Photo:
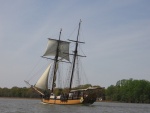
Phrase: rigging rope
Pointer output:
(33, 73)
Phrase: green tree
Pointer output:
(129, 91)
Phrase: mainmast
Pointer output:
(55, 63)
(74, 57)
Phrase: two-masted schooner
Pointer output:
(60, 50)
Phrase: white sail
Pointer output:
(52, 48)
(42, 83)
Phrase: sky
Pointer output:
(116, 35)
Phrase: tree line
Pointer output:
(31, 93)
(133, 91)
(125, 90)
(18, 92)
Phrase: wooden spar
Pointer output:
(37, 90)
(33, 87)
(75, 55)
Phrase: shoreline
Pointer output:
(20, 98)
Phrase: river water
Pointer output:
(8, 105)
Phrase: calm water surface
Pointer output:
(35, 106)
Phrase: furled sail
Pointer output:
(62, 50)
(42, 83)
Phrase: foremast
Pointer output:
(55, 63)
(58, 49)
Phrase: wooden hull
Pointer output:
(90, 99)
(63, 99)
(60, 102)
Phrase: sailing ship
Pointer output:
(59, 49)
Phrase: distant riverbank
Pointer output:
(20, 98)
